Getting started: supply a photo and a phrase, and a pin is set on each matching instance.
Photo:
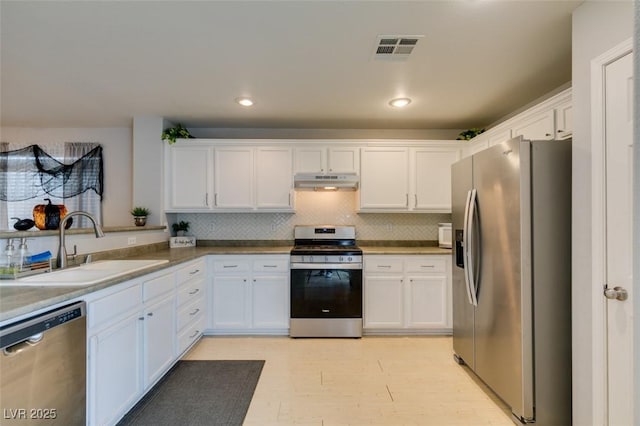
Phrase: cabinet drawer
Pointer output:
(190, 292)
(158, 286)
(383, 264)
(271, 265)
(232, 265)
(110, 308)
(193, 270)
(426, 264)
(190, 334)
(190, 312)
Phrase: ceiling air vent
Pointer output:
(397, 47)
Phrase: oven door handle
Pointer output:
(315, 266)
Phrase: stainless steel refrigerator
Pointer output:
(512, 275)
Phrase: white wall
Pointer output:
(597, 27)
(116, 144)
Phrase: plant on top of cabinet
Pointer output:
(469, 134)
(172, 133)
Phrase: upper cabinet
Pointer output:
(384, 179)
(401, 179)
(243, 178)
(323, 159)
(190, 178)
(550, 119)
(539, 126)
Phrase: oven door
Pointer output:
(326, 290)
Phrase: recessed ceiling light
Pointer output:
(399, 102)
(244, 101)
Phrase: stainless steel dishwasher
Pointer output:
(43, 368)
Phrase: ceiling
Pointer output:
(306, 64)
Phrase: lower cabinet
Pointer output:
(249, 294)
(407, 294)
(131, 344)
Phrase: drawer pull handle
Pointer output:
(194, 272)
(427, 266)
(270, 266)
(195, 312)
(150, 314)
(230, 266)
(384, 266)
(326, 311)
(194, 291)
(194, 334)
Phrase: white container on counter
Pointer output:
(444, 235)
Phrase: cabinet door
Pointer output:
(433, 179)
(344, 160)
(274, 178)
(499, 137)
(159, 339)
(384, 178)
(190, 178)
(234, 178)
(564, 120)
(115, 378)
(383, 302)
(537, 127)
(270, 302)
(229, 302)
(310, 160)
(427, 301)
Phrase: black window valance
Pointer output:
(30, 173)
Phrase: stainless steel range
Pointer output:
(326, 282)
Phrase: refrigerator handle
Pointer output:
(470, 244)
(466, 246)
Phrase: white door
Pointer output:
(618, 104)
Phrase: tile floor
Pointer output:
(368, 381)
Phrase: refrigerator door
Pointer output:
(502, 195)
(461, 185)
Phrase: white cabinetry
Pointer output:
(191, 304)
(384, 179)
(208, 177)
(539, 126)
(233, 178)
(274, 178)
(564, 120)
(407, 294)
(322, 159)
(431, 178)
(402, 179)
(131, 345)
(190, 178)
(550, 119)
(250, 294)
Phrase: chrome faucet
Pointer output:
(61, 260)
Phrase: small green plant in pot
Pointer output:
(178, 132)
(180, 228)
(140, 215)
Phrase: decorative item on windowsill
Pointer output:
(140, 215)
(467, 135)
(178, 132)
(48, 216)
(181, 240)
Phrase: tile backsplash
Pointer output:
(314, 208)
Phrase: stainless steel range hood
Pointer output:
(344, 181)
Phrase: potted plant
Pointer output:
(172, 133)
(140, 215)
(180, 228)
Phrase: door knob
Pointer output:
(617, 293)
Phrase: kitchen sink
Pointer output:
(87, 274)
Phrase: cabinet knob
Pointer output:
(547, 134)
(150, 314)
(141, 318)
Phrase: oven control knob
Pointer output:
(350, 259)
(341, 258)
